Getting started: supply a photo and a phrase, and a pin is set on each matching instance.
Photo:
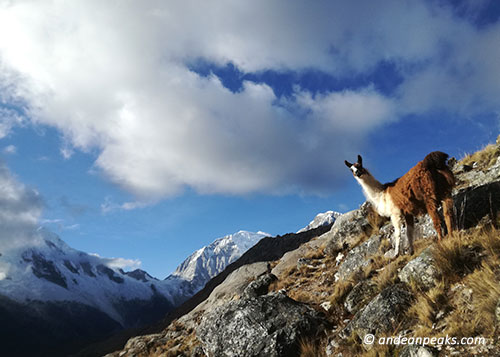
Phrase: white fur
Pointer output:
(384, 205)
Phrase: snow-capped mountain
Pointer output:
(56, 294)
(321, 219)
(49, 270)
(201, 266)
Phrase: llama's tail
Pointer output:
(436, 162)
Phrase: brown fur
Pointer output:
(422, 189)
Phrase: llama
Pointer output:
(419, 191)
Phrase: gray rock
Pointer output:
(259, 286)
(347, 229)
(269, 325)
(358, 257)
(359, 295)
(424, 227)
(475, 177)
(303, 262)
(497, 313)
(421, 270)
(474, 203)
(417, 351)
(382, 314)
(197, 352)
(233, 286)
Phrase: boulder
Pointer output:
(347, 229)
(473, 177)
(359, 295)
(382, 314)
(259, 286)
(358, 257)
(421, 270)
(417, 351)
(268, 325)
(474, 203)
(233, 286)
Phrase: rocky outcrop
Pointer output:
(268, 325)
(361, 293)
(346, 230)
(420, 270)
(259, 286)
(417, 351)
(382, 314)
(358, 257)
(233, 286)
(469, 177)
(474, 203)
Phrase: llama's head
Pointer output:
(357, 169)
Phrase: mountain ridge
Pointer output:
(50, 275)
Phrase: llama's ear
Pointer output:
(347, 163)
(360, 160)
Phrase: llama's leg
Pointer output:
(410, 223)
(396, 220)
(449, 215)
(432, 209)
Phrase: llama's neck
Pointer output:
(373, 189)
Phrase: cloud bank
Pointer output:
(115, 78)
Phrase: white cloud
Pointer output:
(114, 77)
(9, 150)
(8, 119)
(119, 263)
(20, 210)
(109, 206)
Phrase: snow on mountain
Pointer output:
(52, 294)
(321, 219)
(49, 270)
(194, 272)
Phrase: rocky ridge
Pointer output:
(347, 285)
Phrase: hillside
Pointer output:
(54, 299)
(325, 296)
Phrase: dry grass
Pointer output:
(389, 274)
(485, 285)
(490, 240)
(286, 279)
(341, 289)
(484, 158)
(377, 351)
(457, 255)
(427, 304)
(469, 301)
(376, 221)
(317, 253)
(311, 348)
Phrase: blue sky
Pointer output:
(154, 128)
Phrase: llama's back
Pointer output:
(430, 177)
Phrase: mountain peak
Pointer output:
(210, 260)
(321, 219)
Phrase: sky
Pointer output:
(144, 130)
